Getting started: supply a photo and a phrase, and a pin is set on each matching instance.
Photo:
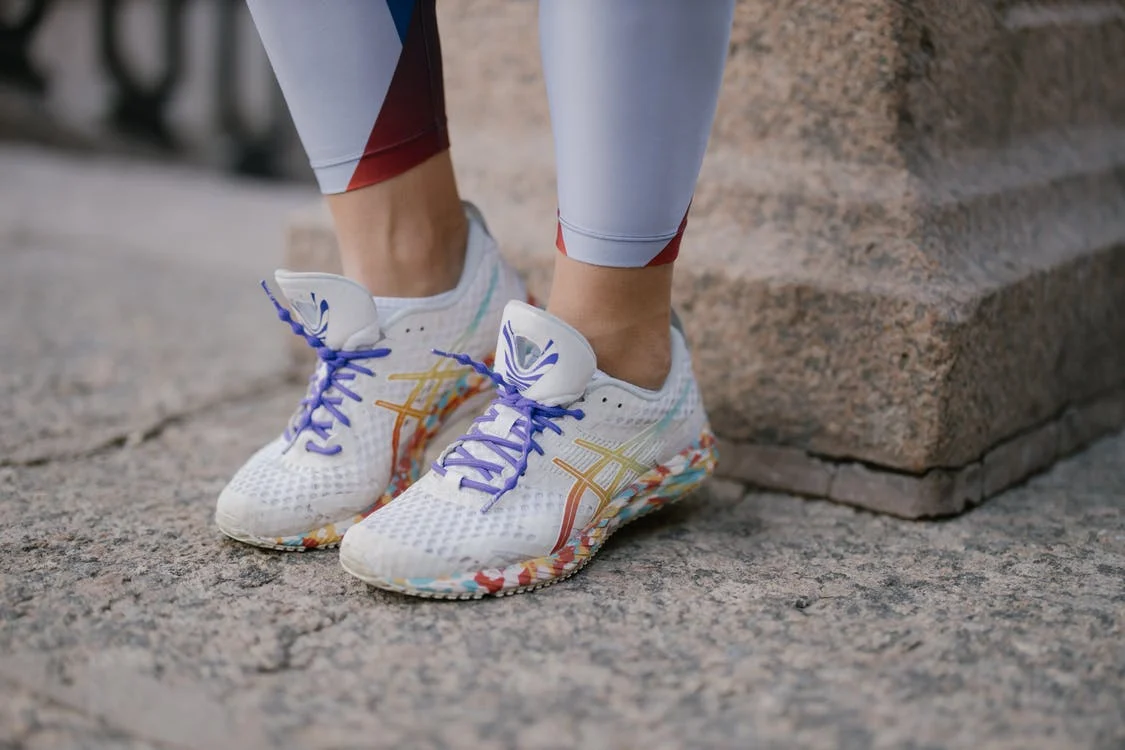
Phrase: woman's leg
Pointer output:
(363, 81)
(566, 454)
(632, 86)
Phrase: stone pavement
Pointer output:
(139, 365)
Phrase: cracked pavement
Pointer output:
(141, 366)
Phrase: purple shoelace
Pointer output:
(334, 362)
(515, 448)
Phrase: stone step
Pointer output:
(904, 272)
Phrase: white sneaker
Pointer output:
(564, 456)
(378, 396)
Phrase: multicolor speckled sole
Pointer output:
(467, 393)
(660, 487)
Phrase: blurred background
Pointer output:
(181, 80)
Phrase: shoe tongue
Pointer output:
(337, 310)
(542, 356)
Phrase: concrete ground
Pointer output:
(139, 365)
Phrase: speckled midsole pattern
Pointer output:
(461, 396)
(663, 485)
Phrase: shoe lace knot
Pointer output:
(511, 450)
(326, 386)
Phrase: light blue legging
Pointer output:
(632, 86)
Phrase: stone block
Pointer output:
(938, 492)
(776, 467)
(1083, 424)
(907, 247)
(1020, 457)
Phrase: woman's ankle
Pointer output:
(404, 237)
(625, 314)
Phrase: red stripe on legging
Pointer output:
(672, 250)
(667, 255)
(411, 125)
(560, 243)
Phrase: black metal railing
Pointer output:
(140, 99)
(139, 109)
(16, 35)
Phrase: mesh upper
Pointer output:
(436, 529)
(286, 489)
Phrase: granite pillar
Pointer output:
(904, 273)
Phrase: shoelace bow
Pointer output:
(534, 417)
(334, 361)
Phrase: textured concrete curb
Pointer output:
(938, 492)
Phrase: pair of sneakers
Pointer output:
(560, 456)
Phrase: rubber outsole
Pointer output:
(658, 489)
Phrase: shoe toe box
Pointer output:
(267, 499)
(376, 557)
(423, 537)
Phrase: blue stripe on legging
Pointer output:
(401, 10)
